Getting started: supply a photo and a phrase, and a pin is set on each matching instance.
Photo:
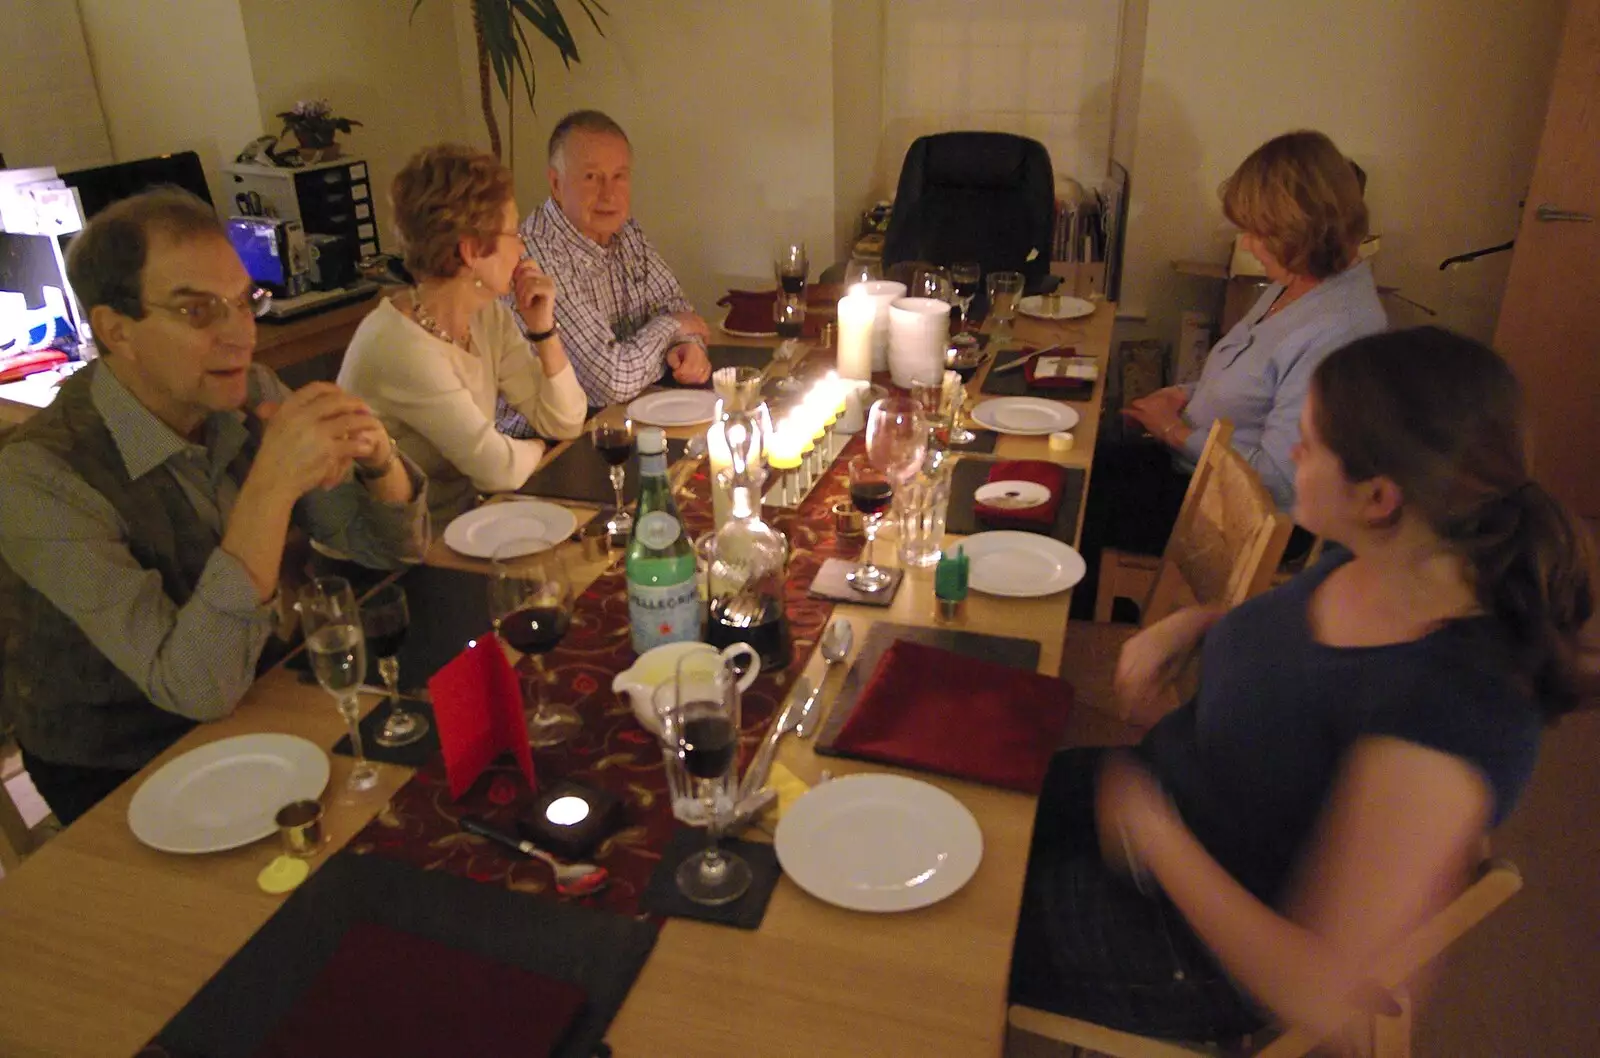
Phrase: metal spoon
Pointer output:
(572, 879)
(836, 642)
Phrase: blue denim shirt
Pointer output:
(1258, 375)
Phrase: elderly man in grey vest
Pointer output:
(146, 510)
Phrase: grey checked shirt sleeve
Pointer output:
(612, 371)
(67, 542)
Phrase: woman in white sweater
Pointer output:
(432, 360)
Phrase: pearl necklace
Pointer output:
(431, 325)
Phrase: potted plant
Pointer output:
(314, 125)
(501, 31)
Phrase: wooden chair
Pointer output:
(1385, 1034)
(1224, 547)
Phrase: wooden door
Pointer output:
(1550, 317)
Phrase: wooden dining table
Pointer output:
(103, 940)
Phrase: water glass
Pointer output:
(1004, 290)
(921, 506)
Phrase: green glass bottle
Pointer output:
(663, 598)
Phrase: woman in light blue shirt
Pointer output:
(1299, 203)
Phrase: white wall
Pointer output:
(399, 76)
(858, 109)
(730, 111)
(51, 112)
(1441, 101)
(173, 79)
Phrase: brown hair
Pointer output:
(1301, 197)
(105, 263)
(1440, 415)
(582, 121)
(445, 194)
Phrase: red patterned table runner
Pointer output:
(612, 752)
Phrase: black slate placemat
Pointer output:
(1003, 650)
(970, 475)
(580, 474)
(412, 754)
(1015, 383)
(756, 356)
(597, 950)
(661, 896)
(448, 607)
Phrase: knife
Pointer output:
(755, 777)
(1019, 361)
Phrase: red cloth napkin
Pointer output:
(1051, 475)
(395, 994)
(477, 702)
(942, 712)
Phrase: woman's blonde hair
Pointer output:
(1300, 196)
(444, 194)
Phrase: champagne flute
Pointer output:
(614, 442)
(530, 603)
(966, 275)
(871, 491)
(384, 621)
(338, 651)
(703, 728)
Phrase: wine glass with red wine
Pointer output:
(702, 727)
(385, 619)
(614, 442)
(530, 603)
(871, 491)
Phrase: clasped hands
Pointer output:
(687, 358)
(1159, 412)
(314, 437)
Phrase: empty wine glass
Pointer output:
(897, 438)
(860, 270)
(614, 442)
(933, 282)
(384, 620)
(530, 603)
(871, 491)
(338, 651)
(703, 728)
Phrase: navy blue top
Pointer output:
(1252, 758)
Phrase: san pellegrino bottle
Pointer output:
(663, 598)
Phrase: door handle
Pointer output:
(1549, 213)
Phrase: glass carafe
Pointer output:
(748, 559)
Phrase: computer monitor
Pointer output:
(105, 184)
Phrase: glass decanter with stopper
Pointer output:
(748, 559)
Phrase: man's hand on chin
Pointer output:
(689, 363)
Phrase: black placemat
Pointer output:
(756, 356)
(983, 442)
(448, 607)
(1015, 383)
(661, 896)
(830, 583)
(412, 754)
(236, 1009)
(1003, 650)
(970, 475)
(580, 474)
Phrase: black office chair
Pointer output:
(975, 196)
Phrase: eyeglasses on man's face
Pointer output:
(202, 311)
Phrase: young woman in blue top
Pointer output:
(1355, 734)
(1299, 203)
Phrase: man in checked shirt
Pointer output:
(623, 317)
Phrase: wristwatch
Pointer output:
(545, 336)
(374, 473)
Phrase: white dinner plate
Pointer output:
(1025, 416)
(725, 329)
(1012, 495)
(1069, 308)
(1021, 565)
(477, 533)
(674, 407)
(879, 843)
(225, 794)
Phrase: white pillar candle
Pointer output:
(883, 292)
(857, 316)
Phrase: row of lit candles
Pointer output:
(803, 445)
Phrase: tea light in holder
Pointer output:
(783, 455)
(570, 819)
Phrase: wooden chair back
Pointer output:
(1381, 1034)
